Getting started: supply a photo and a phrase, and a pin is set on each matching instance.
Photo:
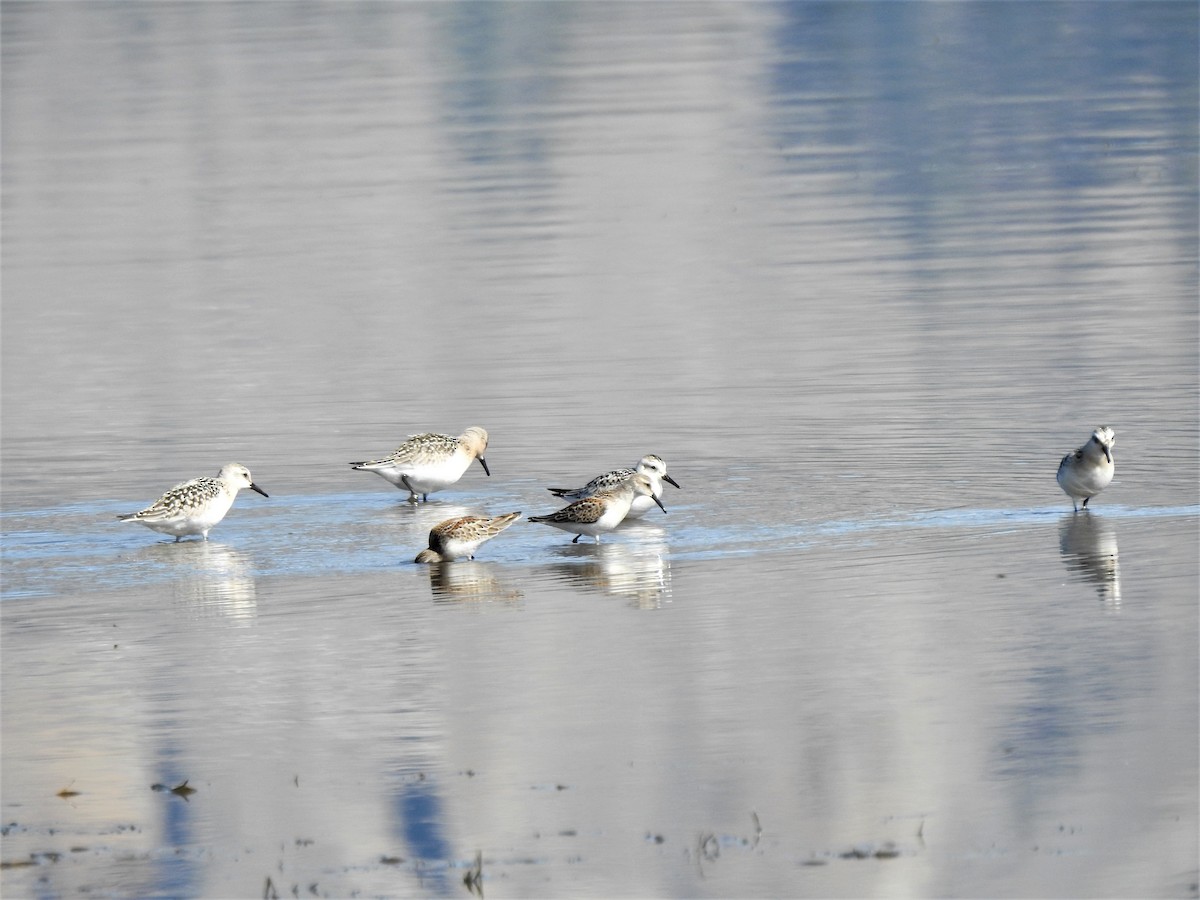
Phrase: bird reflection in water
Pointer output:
(1088, 543)
(469, 580)
(639, 572)
(208, 579)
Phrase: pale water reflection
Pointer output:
(206, 578)
(861, 273)
(1089, 549)
(471, 580)
(639, 570)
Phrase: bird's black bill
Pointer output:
(1108, 454)
(671, 480)
(483, 462)
(255, 487)
(659, 502)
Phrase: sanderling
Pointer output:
(430, 462)
(460, 538)
(654, 467)
(602, 512)
(197, 505)
(1088, 470)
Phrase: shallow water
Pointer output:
(860, 273)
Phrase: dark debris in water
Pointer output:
(474, 877)
(270, 892)
(35, 859)
(886, 850)
(180, 790)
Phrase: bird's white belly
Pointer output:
(426, 479)
(1085, 482)
(195, 521)
(640, 506)
(457, 549)
(610, 519)
(643, 504)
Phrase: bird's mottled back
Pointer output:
(188, 495)
(421, 448)
(460, 537)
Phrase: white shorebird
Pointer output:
(653, 467)
(1087, 471)
(430, 462)
(602, 512)
(195, 506)
(460, 538)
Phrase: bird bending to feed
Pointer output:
(460, 538)
(653, 467)
(430, 462)
(195, 506)
(1087, 471)
(602, 512)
